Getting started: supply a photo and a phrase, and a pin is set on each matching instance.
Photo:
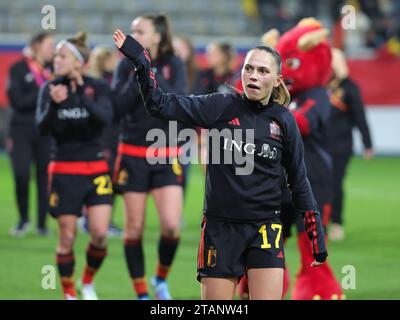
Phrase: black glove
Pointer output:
(316, 234)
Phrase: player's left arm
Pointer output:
(302, 195)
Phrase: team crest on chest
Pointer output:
(275, 130)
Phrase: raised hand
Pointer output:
(119, 38)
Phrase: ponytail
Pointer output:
(281, 94)
(162, 27)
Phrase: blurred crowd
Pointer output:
(377, 23)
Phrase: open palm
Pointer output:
(119, 38)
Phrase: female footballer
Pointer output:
(241, 229)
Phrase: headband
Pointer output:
(71, 47)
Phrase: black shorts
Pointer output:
(137, 175)
(69, 193)
(228, 249)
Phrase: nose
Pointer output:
(253, 76)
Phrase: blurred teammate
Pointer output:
(184, 49)
(220, 74)
(347, 112)
(241, 229)
(73, 109)
(134, 177)
(102, 63)
(24, 143)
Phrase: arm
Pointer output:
(125, 89)
(355, 102)
(201, 111)
(303, 199)
(19, 98)
(313, 112)
(44, 110)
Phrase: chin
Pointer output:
(252, 97)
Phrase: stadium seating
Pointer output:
(223, 17)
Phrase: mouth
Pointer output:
(289, 83)
(253, 86)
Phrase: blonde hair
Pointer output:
(97, 61)
(281, 94)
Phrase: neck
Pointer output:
(153, 53)
(265, 100)
(39, 60)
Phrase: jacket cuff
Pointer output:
(131, 48)
(321, 257)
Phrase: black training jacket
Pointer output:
(76, 123)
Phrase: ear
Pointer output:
(278, 81)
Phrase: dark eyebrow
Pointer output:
(264, 68)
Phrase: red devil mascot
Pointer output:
(306, 68)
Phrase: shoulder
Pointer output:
(318, 91)
(285, 116)
(284, 112)
(318, 95)
(19, 66)
(100, 86)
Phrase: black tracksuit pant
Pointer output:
(28, 147)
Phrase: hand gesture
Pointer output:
(316, 263)
(119, 38)
(58, 93)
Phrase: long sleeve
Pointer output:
(313, 112)
(20, 99)
(293, 162)
(355, 102)
(303, 199)
(201, 111)
(44, 110)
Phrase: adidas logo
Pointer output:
(235, 122)
(280, 255)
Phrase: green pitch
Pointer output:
(372, 244)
